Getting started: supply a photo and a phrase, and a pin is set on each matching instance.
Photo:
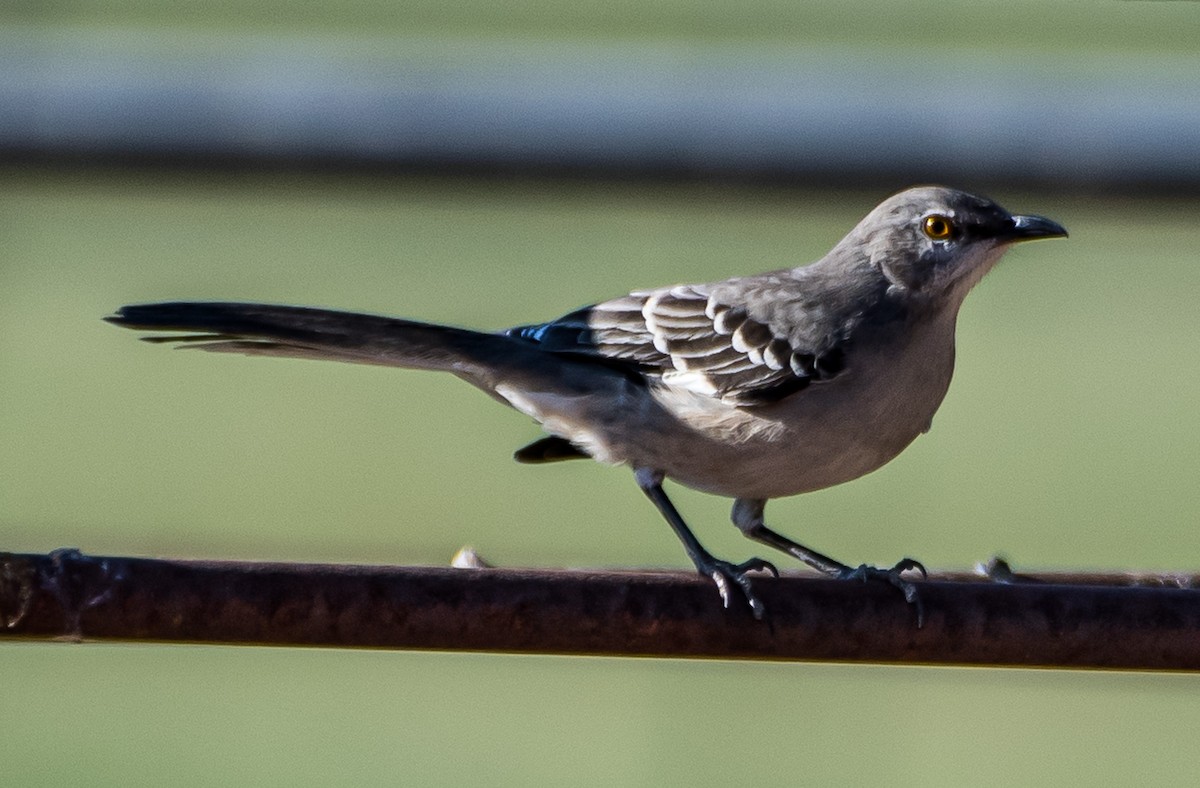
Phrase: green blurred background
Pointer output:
(1068, 440)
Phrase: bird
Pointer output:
(752, 388)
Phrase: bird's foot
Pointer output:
(895, 577)
(727, 575)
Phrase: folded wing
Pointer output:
(688, 337)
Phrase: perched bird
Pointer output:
(754, 388)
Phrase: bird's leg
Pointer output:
(723, 573)
(748, 517)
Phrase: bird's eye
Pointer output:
(939, 228)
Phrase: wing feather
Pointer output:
(686, 336)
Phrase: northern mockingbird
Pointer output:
(753, 388)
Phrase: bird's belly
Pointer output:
(828, 434)
(786, 466)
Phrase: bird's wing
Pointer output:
(705, 338)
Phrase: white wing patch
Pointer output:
(716, 349)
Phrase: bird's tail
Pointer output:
(301, 332)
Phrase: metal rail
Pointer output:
(1145, 622)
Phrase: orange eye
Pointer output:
(939, 228)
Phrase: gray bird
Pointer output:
(753, 388)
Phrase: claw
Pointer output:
(724, 574)
(757, 565)
(894, 577)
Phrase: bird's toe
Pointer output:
(894, 577)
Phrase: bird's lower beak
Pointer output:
(1028, 228)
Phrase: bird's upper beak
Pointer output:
(1027, 228)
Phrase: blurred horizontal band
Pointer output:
(628, 108)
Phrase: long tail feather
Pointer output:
(302, 332)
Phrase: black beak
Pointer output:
(1027, 228)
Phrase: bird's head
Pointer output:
(935, 243)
